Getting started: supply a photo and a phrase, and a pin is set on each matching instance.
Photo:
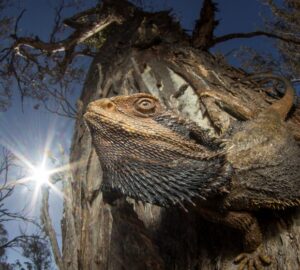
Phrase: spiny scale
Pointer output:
(166, 186)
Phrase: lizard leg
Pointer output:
(247, 223)
(219, 120)
(230, 103)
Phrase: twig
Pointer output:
(17, 22)
(250, 35)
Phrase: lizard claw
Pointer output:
(252, 261)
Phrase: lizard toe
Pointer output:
(252, 261)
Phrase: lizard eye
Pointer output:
(145, 106)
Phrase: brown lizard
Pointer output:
(154, 156)
(233, 104)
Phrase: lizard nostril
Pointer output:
(105, 104)
(108, 105)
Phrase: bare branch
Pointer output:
(15, 241)
(205, 26)
(49, 230)
(76, 21)
(57, 22)
(7, 162)
(74, 39)
(250, 35)
(295, 81)
(17, 22)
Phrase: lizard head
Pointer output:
(146, 152)
(130, 114)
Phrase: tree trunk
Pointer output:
(149, 53)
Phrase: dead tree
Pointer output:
(149, 52)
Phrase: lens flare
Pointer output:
(40, 162)
(40, 175)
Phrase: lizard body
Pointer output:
(265, 157)
(152, 155)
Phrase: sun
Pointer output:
(40, 175)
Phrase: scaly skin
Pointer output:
(264, 155)
(146, 152)
(154, 156)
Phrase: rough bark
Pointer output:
(149, 53)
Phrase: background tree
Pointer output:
(3, 259)
(36, 250)
(8, 164)
(138, 51)
(6, 23)
(284, 21)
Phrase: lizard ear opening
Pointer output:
(145, 106)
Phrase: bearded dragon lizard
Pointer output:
(153, 155)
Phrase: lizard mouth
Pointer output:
(97, 119)
(91, 118)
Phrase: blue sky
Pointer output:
(28, 130)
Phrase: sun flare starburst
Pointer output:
(41, 163)
(40, 175)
